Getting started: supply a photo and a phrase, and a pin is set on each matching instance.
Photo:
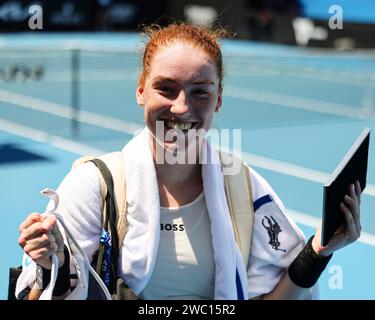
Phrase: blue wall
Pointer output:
(353, 10)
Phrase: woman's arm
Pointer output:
(286, 289)
(312, 260)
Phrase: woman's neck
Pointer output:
(178, 184)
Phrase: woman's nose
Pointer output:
(180, 104)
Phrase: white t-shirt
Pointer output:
(276, 238)
(184, 266)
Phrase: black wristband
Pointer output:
(307, 267)
(43, 276)
(62, 284)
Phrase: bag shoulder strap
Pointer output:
(109, 224)
(103, 187)
(240, 202)
(115, 163)
(113, 195)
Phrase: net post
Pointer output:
(75, 90)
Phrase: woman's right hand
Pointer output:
(40, 237)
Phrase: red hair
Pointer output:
(199, 36)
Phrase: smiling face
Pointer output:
(182, 89)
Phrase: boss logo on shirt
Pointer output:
(172, 227)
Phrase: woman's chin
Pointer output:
(182, 154)
(173, 147)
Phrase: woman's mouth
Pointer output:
(180, 125)
(175, 134)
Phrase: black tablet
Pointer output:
(352, 167)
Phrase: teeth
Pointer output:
(180, 126)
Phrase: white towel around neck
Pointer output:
(139, 254)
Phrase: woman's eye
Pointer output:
(200, 92)
(167, 90)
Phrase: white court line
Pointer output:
(82, 149)
(286, 168)
(132, 128)
(313, 222)
(88, 76)
(316, 73)
(291, 101)
(249, 69)
(227, 49)
(92, 75)
(361, 80)
(66, 112)
(47, 138)
(294, 170)
(304, 54)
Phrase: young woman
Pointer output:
(196, 256)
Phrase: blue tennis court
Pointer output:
(299, 111)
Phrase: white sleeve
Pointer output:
(276, 239)
(80, 206)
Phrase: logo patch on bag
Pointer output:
(273, 230)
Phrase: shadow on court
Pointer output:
(12, 153)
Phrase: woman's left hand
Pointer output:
(350, 231)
